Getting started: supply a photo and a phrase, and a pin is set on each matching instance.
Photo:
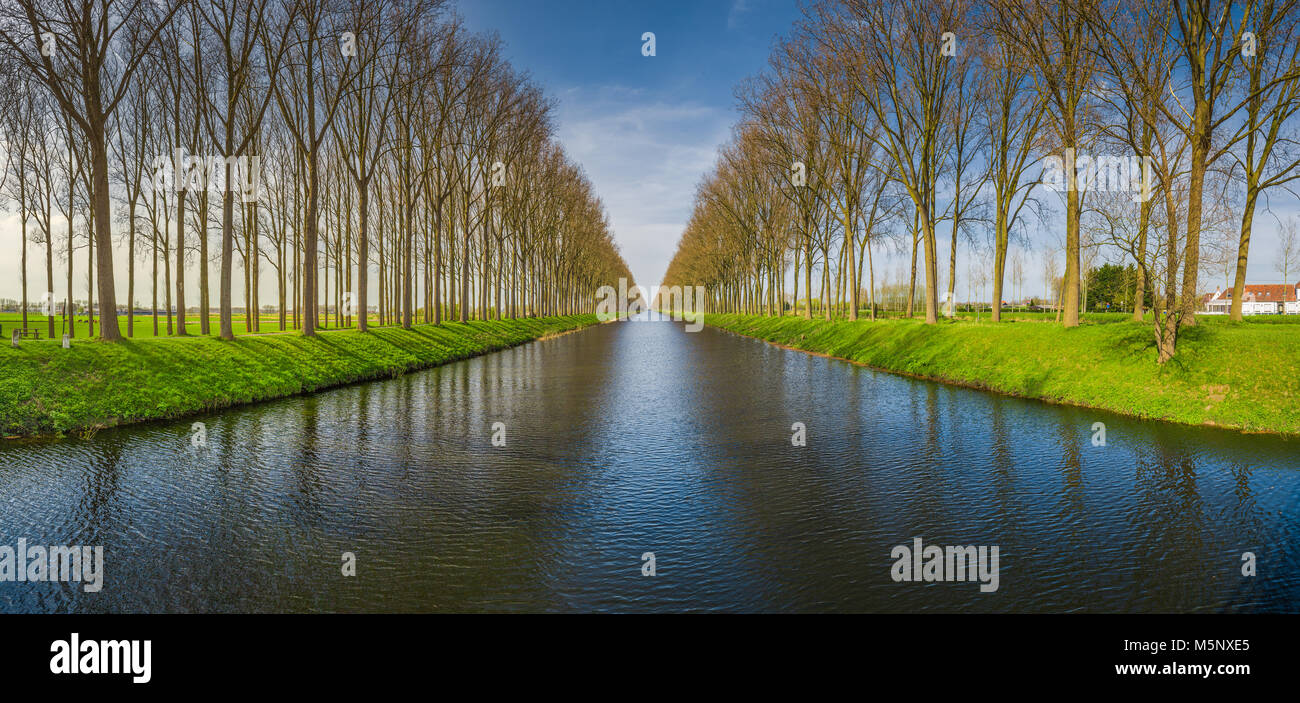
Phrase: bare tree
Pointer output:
(1012, 116)
(235, 103)
(320, 67)
(85, 52)
(907, 81)
(1270, 154)
(1288, 249)
(1052, 37)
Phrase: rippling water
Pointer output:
(641, 437)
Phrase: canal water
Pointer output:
(641, 437)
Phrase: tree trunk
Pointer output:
(1001, 238)
(363, 255)
(227, 256)
(205, 304)
(1243, 255)
(49, 272)
(1070, 289)
(103, 234)
(130, 270)
(931, 270)
(309, 245)
(911, 281)
(180, 264)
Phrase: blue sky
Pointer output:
(646, 129)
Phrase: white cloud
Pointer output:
(738, 8)
(644, 156)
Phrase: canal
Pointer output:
(640, 437)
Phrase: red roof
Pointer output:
(1270, 293)
(1264, 293)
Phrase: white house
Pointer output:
(1257, 299)
(1219, 302)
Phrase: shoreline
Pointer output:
(47, 392)
(974, 371)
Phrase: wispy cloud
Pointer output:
(738, 8)
(644, 156)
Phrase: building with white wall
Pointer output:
(1257, 299)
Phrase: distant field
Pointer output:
(270, 323)
(143, 325)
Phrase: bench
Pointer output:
(23, 333)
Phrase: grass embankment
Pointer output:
(45, 389)
(1242, 375)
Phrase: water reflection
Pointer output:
(634, 438)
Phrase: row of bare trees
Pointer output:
(1156, 123)
(350, 146)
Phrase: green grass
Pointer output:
(1242, 375)
(45, 389)
(1009, 314)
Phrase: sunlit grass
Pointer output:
(1243, 375)
(47, 389)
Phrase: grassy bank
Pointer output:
(1243, 375)
(45, 389)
